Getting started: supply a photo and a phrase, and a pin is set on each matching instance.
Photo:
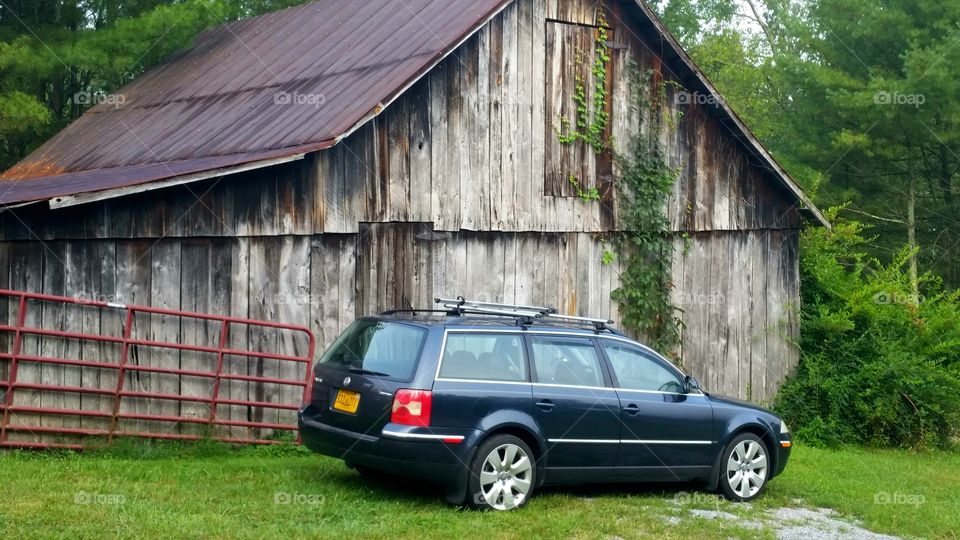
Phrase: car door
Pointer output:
(665, 432)
(575, 406)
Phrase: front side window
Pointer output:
(387, 348)
(485, 357)
(571, 362)
(636, 370)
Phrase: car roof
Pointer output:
(440, 318)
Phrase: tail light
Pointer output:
(412, 407)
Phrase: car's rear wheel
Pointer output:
(503, 474)
(744, 468)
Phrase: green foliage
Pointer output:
(644, 184)
(876, 367)
(857, 98)
(592, 117)
(590, 194)
(689, 20)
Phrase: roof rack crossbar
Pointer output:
(413, 311)
(460, 309)
(460, 305)
(573, 318)
(461, 301)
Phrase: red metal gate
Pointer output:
(122, 367)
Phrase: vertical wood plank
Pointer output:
(53, 317)
(397, 124)
(510, 199)
(26, 274)
(421, 147)
(471, 184)
(526, 191)
(497, 64)
(439, 201)
(6, 338)
(239, 334)
(165, 289)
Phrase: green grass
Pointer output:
(204, 490)
(891, 491)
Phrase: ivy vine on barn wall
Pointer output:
(643, 183)
(592, 117)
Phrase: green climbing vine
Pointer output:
(592, 116)
(590, 194)
(644, 183)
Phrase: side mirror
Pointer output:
(690, 384)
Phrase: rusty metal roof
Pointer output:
(284, 83)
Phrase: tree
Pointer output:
(57, 57)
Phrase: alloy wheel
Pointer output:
(506, 477)
(747, 468)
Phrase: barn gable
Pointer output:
(220, 108)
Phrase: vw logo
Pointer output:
(346, 382)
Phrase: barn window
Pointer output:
(573, 166)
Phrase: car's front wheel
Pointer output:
(744, 468)
(503, 474)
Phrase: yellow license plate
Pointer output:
(347, 401)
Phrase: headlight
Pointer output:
(783, 428)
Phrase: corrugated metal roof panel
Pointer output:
(265, 87)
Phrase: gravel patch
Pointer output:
(818, 524)
(797, 524)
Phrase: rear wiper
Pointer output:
(362, 371)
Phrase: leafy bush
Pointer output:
(877, 366)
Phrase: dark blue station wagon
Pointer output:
(493, 400)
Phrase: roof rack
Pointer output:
(461, 306)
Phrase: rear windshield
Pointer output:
(385, 348)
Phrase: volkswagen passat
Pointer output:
(493, 401)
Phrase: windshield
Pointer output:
(381, 348)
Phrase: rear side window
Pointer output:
(566, 361)
(389, 348)
(484, 357)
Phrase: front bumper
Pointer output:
(432, 454)
(784, 445)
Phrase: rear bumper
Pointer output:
(432, 454)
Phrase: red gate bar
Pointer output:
(122, 366)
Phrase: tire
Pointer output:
(743, 479)
(503, 474)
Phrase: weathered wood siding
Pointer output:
(739, 295)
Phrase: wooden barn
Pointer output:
(345, 157)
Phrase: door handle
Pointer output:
(631, 409)
(546, 405)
